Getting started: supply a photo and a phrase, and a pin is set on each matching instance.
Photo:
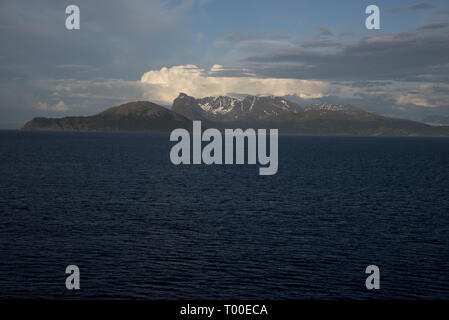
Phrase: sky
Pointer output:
(307, 51)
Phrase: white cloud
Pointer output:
(427, 95)
(60, 106)
(413, 99)
(165, 84)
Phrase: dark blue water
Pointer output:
(140, 227)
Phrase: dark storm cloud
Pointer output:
(411, 8)
(406, 56)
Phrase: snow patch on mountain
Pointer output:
(330, 107)
(229, 108)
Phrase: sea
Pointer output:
(139, 227)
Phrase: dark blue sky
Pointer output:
(306, 50)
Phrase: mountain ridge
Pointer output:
(291, 118)
(227, 108)
(241, 112)
(138, 116)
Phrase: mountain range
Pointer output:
(242, 112)
(227, 109)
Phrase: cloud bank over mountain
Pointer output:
(165, 84)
